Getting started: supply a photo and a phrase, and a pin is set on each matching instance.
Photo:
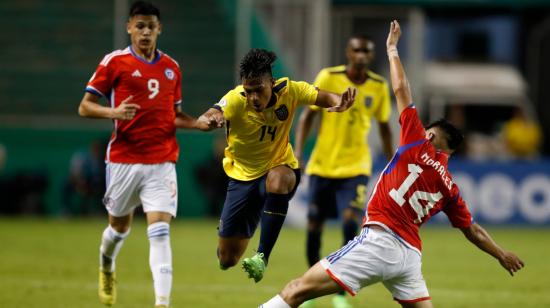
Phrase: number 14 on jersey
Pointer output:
(414, 200)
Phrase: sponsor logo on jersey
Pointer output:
(136, 73)
(169, 73)
(282, 113)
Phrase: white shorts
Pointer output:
(375, 256)
(154, 186)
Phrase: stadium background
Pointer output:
(52, 48)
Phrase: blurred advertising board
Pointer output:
(497, 192)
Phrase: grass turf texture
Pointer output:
(54, 263)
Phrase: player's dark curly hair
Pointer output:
(144, 8)
(256, 63)
(454, 135)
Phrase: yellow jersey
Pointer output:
(259, 141)
(341, 149)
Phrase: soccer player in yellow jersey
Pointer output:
(263, 171)
(341, 163)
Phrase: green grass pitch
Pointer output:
(54, 263)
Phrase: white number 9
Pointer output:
(153, 86)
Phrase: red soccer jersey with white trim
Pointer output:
(149, 138)
(415, 185)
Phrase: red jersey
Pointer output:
(414, 186)
(150, 137)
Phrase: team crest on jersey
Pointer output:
(368, 101)
(169, 73)
(282, 113)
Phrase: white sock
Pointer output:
(160, 260)
(275, 302)
(111, 242)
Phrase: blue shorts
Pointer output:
(328, 198)
(243, 206)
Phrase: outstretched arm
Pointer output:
(302, 131)
(211, 119)
(399, 81)
(183, 120)
(477, 235)
(335, 102)
(90, 108)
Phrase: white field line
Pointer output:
(179, 287)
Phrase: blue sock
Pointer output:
(273, 217)
(350, 230)
(313, 246)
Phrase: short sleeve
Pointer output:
(321, 83)
(383, 111)
(101, 82)
(228, 104)
(303, 92)
(321, 79)
(412, 129)
(457, 211)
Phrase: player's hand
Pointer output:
(346, 101)
(126, 111)
(210, 121)
(511, 262)
(393, 36)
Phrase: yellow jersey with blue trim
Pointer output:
(341, 149)
(259, 141)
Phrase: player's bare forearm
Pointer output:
(211, 119)
(90, 108)
(183, 120)
(399, 81)
(327, 99)
(334, 102)
(387, 139)
(302, 131)
(481, 238)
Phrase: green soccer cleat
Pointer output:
(107, 287)
(340, 301)
(255, 266)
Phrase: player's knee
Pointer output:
(279, 187)
(120, 227)
(120, 224)
(279, 182)
(227, 260)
